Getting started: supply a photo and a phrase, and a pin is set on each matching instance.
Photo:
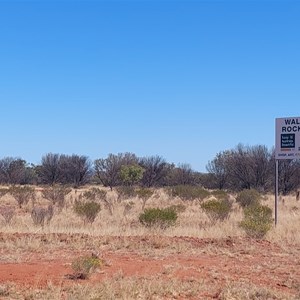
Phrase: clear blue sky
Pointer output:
(181, 79)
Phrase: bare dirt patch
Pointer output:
(211, 268)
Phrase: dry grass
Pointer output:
(144, 288)
(67, 236)
(115, 288)
(192, 222)
(247, 291)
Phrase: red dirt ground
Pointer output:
(260, 263)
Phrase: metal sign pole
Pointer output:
(276, 191)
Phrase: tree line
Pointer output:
(252, 167)
(243, 167)
(114, 170)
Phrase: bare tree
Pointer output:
(108, 170)
(243, 167)
(4, 169)
(181, 175)
(50, 171)
(289, 175)
(260, 158)
(239, 166)
(155, 170)
(218, 168)
(12, 170)
(75, 169)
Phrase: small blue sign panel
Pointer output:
(287, 140)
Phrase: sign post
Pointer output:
(287, 146)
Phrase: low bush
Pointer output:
(41, 214)
(85, 265)
(7, 213)
(248, 197)
(217, 210)
(144, 194)
(98, 195)
(56, 194)
(88, 211)
(94, 194)
(126, 192)
(22, 194)
(257, 220)
(219, 194)
(156, 217)
(188, 192)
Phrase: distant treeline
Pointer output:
(243, 167)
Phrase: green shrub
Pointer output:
(217, 210)
(156, 217)
(248, 197)
(131, 174)
(88, 211)
(257, 220)
(188, 192)
(22, 194)
(85, 265)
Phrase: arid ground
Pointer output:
(191, 260)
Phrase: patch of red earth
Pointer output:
(228, 260)
(33, 273)
(38, 273)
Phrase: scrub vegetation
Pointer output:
(125, 227)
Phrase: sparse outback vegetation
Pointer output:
(219, 194)
(257, 220)
(130, 246)
(22, 194)
(144, 194)
(188, 192)
(217, 210)
(126, 192)
(40, 215)
(158, 217)
(7, 213)
(88, 211)
(248, 197)
(84, 266)
(56, 194)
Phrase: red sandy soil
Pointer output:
(261, 263)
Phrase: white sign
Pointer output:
(287, 145)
